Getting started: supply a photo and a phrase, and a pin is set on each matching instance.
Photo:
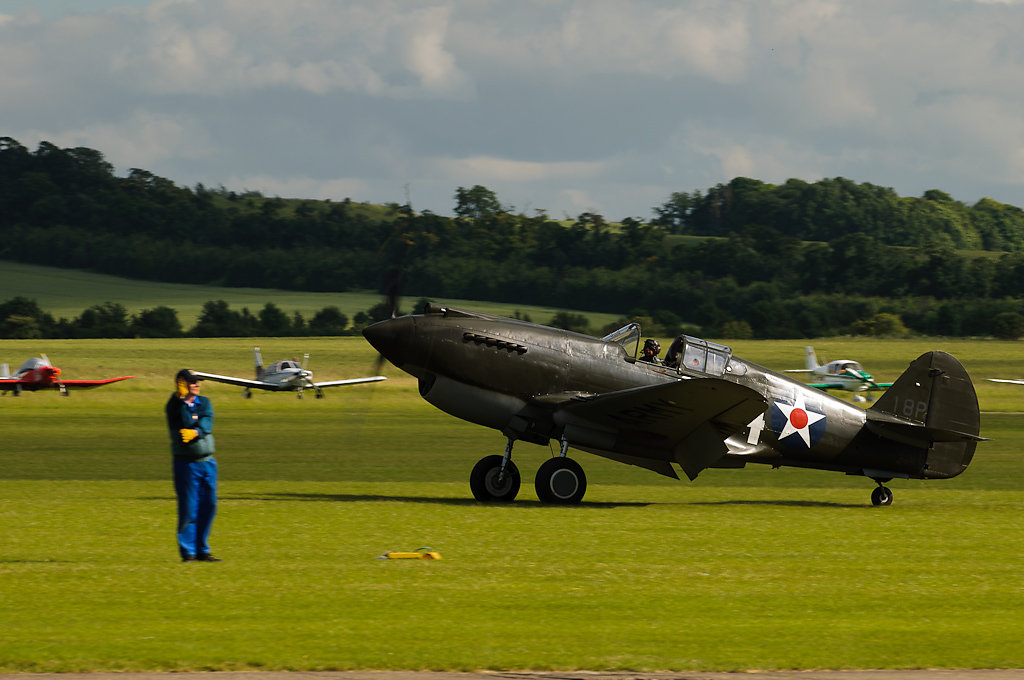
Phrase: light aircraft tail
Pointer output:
(257, 359)
(5, 371)
(810, 362)
(931, 406)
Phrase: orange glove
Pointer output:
(187, 435)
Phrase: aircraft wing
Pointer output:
(69, 384)
(350, 381)
(1004, 380)
(841, 386)
(89, 384)
(241, 382)
(687, 421)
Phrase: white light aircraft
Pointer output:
(283, 376)
(840, 374)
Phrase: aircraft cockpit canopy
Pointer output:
(699, 355)
(31, 364)
(628, 337)
(282, 366)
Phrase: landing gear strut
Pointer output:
(881, 495)
(495, 478)
(560, 480)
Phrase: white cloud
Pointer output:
(565, 106)
(142, 140)
(300, 187)
(488, 169)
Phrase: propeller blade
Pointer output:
(378, 363)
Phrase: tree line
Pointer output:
(21, 317)
(746, 258)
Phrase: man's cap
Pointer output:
(186, 375)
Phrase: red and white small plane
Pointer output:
(39, 373)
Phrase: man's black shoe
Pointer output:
(188, 558)
(207, 557)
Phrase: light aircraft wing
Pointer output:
(241, 382)
(350, 381)
(1004, 380)
(828, 386)
(69, 384)
(690, 418)
(846, 387)
(89, 384)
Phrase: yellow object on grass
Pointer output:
(419, 554)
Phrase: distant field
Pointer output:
(67, 292)
(742, 569)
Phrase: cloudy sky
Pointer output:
(561, 106)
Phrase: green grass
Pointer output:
(742, 569)
(67, 292)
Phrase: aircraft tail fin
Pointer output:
(811, 360)
(932, 406)
(257, 360)
(5, 371)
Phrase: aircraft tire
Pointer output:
(560, 481)
(882, 495)
(483, 480)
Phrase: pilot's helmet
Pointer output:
(653, 345)
(183, 379)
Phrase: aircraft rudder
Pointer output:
(811, 360)
(937, 396)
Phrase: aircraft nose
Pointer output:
(392, 337)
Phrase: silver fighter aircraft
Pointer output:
(701, 408)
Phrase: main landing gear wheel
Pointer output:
(561, 481)
(488, 484)
(881, 496)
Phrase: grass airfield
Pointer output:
(742, 569)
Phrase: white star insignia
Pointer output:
(798, 420)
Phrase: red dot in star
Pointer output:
(798, 417)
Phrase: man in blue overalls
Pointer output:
(190, 424)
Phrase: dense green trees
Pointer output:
(791, 260)
(21, 317)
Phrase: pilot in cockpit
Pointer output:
(650, 351)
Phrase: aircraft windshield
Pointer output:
(34, 362)
(628, 336)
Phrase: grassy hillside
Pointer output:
(66, 292)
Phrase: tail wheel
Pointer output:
(489, 484)
(561, 481)
(881, 496)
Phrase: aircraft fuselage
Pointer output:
(517, 377)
